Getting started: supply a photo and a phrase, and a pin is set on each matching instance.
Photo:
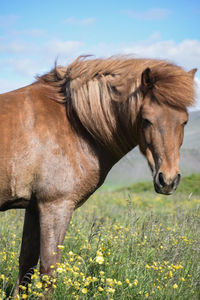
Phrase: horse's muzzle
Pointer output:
(166, 186)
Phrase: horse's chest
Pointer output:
(70, 174)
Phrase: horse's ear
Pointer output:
(147, 79)
(192, 72)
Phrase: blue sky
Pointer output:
(35, 33)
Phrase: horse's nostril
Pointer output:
(178, 179)
(161, 179)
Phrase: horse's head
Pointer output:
(161, 136)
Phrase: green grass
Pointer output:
(120, 245)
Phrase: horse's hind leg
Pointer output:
(30, 247)
(54, 219)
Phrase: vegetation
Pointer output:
(127, 244)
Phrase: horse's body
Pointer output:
(61, 135)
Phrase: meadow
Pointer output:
(129, 243)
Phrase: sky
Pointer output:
(34, 34)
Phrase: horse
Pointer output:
(62, 134)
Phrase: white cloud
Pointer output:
(16, 47)
(74, 21)
(58, 48)
(197, 86)
(149, 15)
(185, 53)
(29, 58)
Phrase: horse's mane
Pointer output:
(98, 90)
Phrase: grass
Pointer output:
(127, 244)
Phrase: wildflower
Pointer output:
(24, 296)
(147, 266)
(60, 270)
(101, 273)
(84, 291)
(100, 289)
(39, 285)
(22, 287)
(99, 258)
(135, 282)
(170, 274)
(175, 286)
(146, 295)
(127, 281)
(182, 279)
(110, 290)
(60, 247)
(94, 279)
(110, 281)
(45, 277)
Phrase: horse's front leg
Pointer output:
(30, 246)
(54, 220)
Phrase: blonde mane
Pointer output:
(106, 94)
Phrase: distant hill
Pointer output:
(133, 167)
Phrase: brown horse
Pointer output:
(61, 135)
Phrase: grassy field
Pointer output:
(126, 244)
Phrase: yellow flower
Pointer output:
(109, 281)
(84, 291)
(60, 247)
(101, 273)
(100, 289)
(99, 258)
(147, 266)
(110, 290)
(170, 274)
(127, 281)
(175, 286)
(24, 296)
(146, 295)
(22, 287)
(135, 282)
(60, 270)
(182, 279)
(39, 285)
(45, 277)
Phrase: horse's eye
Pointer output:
(146, 122)
(184, 123)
